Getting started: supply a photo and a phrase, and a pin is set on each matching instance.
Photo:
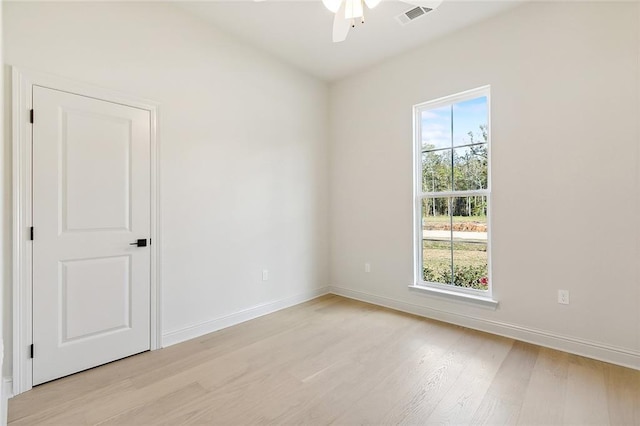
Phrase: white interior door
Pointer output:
(91, 200)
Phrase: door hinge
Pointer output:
(31, 350)
(31, 116)
(31, 233)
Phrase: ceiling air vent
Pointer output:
(412, 14)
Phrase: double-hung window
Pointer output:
(452, 192)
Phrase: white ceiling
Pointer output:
(299, 32)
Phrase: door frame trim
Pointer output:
(22, 83)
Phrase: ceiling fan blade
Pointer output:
(372, 3)
(429, 4)
(332, 5)
(341, 25)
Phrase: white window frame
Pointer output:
(483, 296)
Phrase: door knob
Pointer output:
(142, 242)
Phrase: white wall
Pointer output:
(3, 229)
(243, 147)
(565, 109)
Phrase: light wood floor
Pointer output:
(334, 360)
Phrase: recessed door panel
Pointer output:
(95, 171)
(91, 200)
(96, 296)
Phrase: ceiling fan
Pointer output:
(348, 11)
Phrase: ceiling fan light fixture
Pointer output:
(372, 3)
(350, 10)
(332, 5)
(353, 9)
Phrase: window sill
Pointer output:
(485, 302)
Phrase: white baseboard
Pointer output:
(197, 330)
(621, 356)
(7, 392)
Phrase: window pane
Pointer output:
(436, 240)
(470, 261)
(436, 128)
(436, 171)
(470, 214)
(436, 267)
(470, 265)
(470, 168)
(470, 121)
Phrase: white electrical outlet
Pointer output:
(265, 274)
(367, 267)
(563, 297)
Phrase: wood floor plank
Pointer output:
(545, 397)
(75, 411)
(458, 407)
(270, 368)
(586, 402)
(336, 360)
(437, 381)
(149, 413)
(623, 394)
(406, 378)
(372, 330)
(347, 373)
(503, 400)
